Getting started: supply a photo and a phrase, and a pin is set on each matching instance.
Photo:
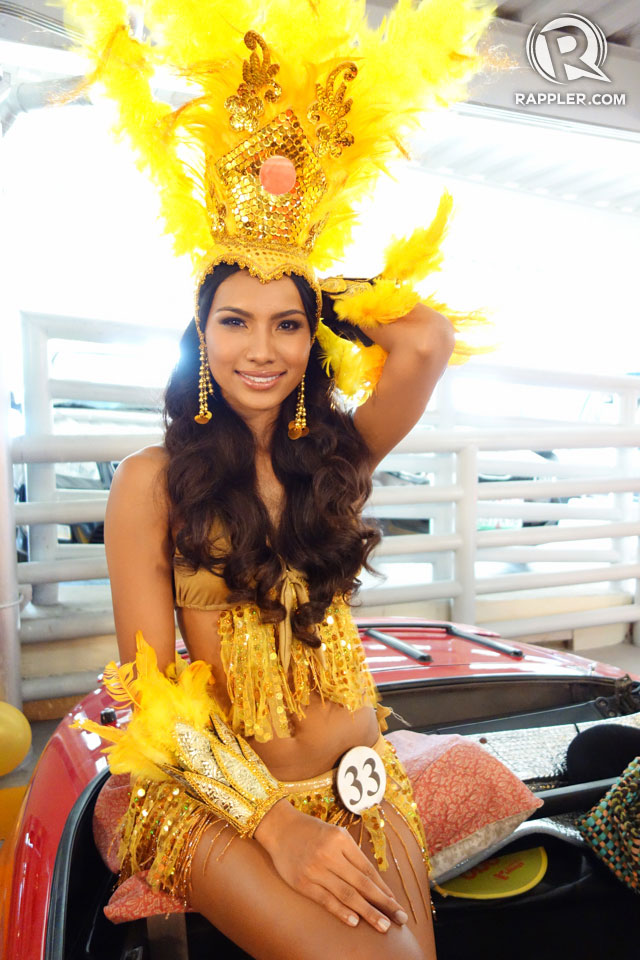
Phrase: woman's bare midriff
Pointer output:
(317, 742)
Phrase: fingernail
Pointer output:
(383, 924)
(352, 920)
(401, 916)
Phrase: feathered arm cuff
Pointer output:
(388, 297)
(177, 732)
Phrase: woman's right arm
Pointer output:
(138, 548)
(325, 863)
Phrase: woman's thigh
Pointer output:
(235, 885)
(406, 875)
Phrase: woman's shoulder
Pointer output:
(150, 460)
(142, 474)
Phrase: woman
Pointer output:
(248, 518)
(307, 881)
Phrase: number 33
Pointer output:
(361, 779)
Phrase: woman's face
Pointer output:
(258, 342)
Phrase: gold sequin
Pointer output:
(263, 695)
(333, 136)
(246, 107)
(254, 214)
(167, 854)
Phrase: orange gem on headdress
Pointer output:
(278, 175)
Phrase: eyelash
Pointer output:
(230, 321)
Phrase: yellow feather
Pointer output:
(413, 258)
(120, 682)
(381, 302)
(476, 332)
(422, 56)
(355, 368)
(158, 703)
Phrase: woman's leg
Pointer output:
(407, 877)
(242, 894)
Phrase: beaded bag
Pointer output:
(612, 827)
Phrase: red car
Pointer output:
(441, 678)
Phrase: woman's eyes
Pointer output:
(232, 321)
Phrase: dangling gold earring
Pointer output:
(205, 385)
(298, 427)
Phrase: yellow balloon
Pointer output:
(15, 737)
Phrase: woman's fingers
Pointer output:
(360, 861)
(363, 903)
(325, 863)
(372, 891)
(326, 899)
(344, 902)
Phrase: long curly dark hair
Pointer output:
(326, 477)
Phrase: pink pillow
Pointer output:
(467, 799)
(133, 898)
(111, 806)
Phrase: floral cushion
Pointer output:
(467, 799)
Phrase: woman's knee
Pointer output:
(224, 883)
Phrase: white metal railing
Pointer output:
(448, 458)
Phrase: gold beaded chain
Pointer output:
(298, 427)
(205, 386)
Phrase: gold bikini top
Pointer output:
(268, 684)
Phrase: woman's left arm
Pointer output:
(418, 346)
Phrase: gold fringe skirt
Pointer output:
(163, 824)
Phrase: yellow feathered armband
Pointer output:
(177, 732)
(390, 296)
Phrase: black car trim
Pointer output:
(58, 902)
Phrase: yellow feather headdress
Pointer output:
(292, 113)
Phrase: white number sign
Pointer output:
(361, 779)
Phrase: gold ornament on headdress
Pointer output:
(295, 117)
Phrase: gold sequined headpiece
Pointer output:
(290, 116)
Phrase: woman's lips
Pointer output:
(259, 383)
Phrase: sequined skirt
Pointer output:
(163, 824)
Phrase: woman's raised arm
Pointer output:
(138, 547)
(418, 346)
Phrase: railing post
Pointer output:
(41, 477)
(464, 606)
(443, 521)
(626, 458)
(9, 600)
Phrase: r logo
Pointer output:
(561, 56)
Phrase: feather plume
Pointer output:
(119, 682)
(159, 703)
(422, 56)
(412, 259)
(381, 302)
(475, 331)
(355, 368)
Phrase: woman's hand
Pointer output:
(325, 863)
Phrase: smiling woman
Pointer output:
(266, 540)
(248, 518)
(258, 338)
